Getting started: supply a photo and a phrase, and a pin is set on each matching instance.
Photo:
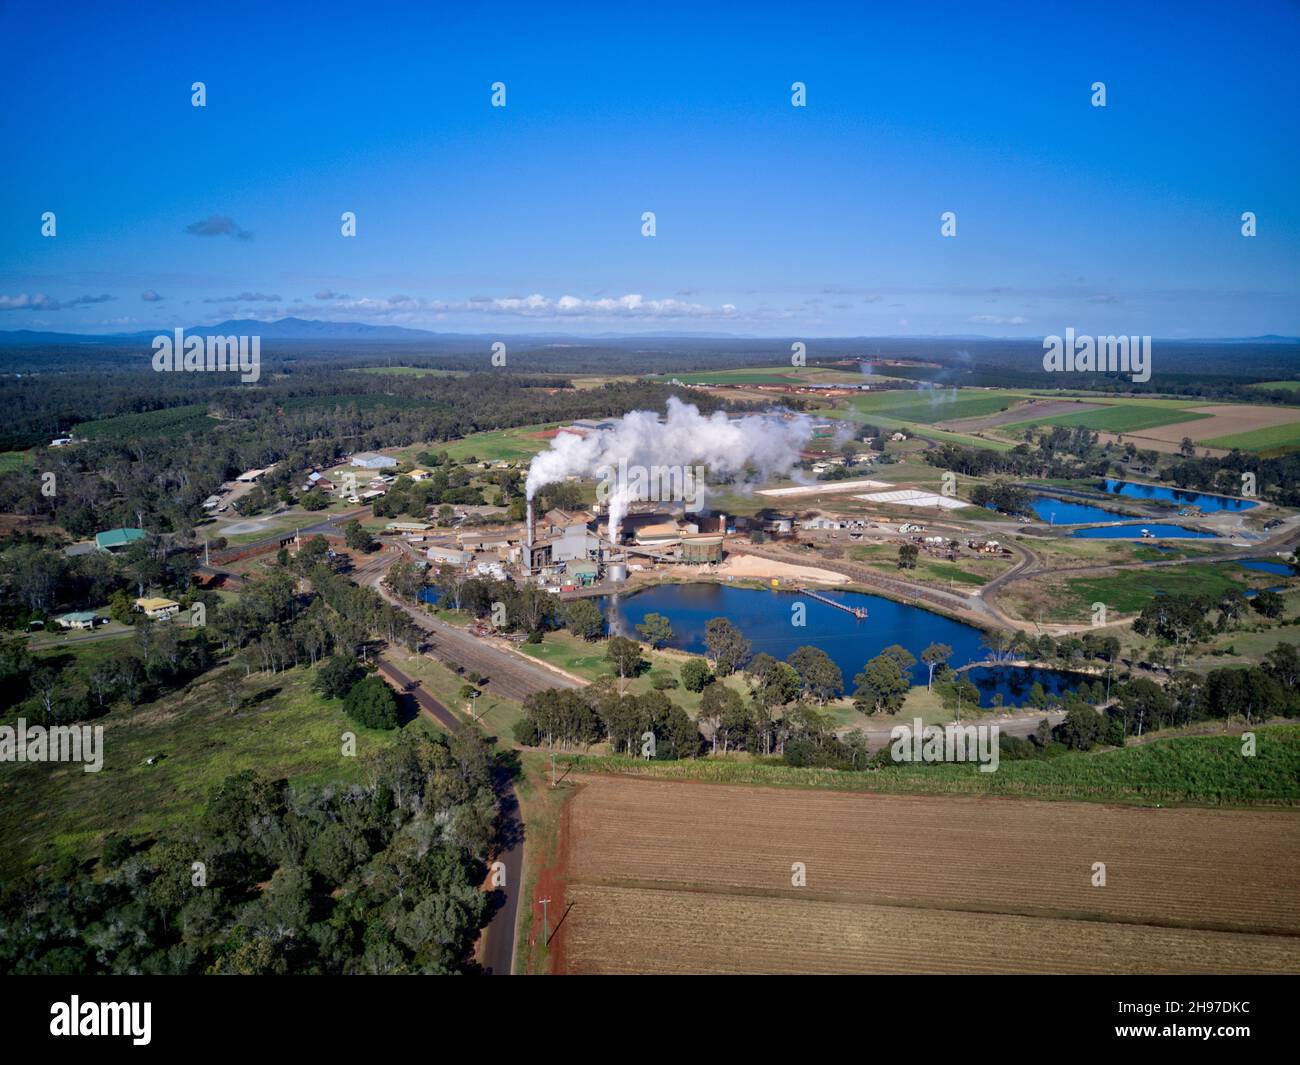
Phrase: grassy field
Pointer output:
(410, 371)
(541, 806)
(282, 729)
(495, 713)
(590, 381)
(15, 461)
(930, 406)
(1275, 438)
(587, 660)
(970, 571)
(775, 375)
(1069, 600)
(509, 445)
(1129, 591)
(1289, 386)
(1240, 647)
(1196, 771)
(274, 524)
(891, 424)
(1117, 418)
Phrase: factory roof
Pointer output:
(118, 537)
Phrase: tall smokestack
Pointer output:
(531, 530)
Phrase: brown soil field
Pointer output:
(1226, 419)
(672, 876)
(1021, 412)
(1166, 447)
(617, 930)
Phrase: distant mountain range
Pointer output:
(282, 329)
(307, 329)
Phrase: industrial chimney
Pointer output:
(530, 531)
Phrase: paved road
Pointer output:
(499, 936)
(509, 674)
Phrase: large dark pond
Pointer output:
(765, 617)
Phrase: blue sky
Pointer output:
(771, 219)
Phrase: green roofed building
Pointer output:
(112, 539)
(81, 619)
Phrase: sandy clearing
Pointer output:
(765, 568)
(252, 525)
(822, 488)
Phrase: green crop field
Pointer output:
(1289, 386)
(1116, 418)
(929, 406)
(1192, 770)
(1127, 592)
(889, 423)
(1274, 438)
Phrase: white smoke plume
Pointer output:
(766, 445)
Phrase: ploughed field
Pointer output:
(672, 876)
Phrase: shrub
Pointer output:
(371, 702)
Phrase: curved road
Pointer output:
(498, 938)
(510, 673)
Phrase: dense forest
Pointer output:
(376, 878)
(155, 450)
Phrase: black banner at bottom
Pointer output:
(333, 1014)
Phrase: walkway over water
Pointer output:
(859, 612)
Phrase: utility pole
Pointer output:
(546, 922)
(552, 769)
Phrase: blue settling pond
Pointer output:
(1066, 512)
(1280, 569)
(1208, 503)
(764, 617)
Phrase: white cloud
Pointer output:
(41, 302)
(996, 319)
(536, 305)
